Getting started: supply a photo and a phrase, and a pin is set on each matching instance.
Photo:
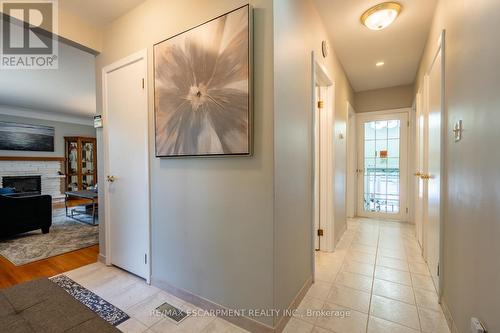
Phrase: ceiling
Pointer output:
(68, 90)
(99, 12)
(400, 46)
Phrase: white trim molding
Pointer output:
(449, 318)
(45, 115)
(242, 321)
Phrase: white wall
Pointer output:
(212, 218)
(298, 30)
(384, 99)
(471, 268)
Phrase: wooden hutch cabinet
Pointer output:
(81, 163)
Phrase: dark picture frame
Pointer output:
(203, 89)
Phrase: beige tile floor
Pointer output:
(378, 276)
(132, 295)
(376, 281)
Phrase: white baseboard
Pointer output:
(282, 321)
(244, 322)
(449, 318)
(101, 258)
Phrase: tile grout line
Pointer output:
(333, 282)
(413, 291)
(373, 279)
(344, 259)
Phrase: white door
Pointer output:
(421, 167)
(126, 164)
(433, 175)
(383, 166)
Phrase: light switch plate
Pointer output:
(476, 326)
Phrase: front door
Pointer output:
(126, 165)
(382, 166)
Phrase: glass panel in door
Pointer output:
(382, 167)
(88, 164)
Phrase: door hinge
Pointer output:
(407, 210)
(145, 259)
(321, 104)
(408, 123)
(143, 84)
(438, 270)
(320, 232)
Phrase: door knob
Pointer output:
(110, 179)
(418, 174)
(426, 177)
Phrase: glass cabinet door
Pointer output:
(72, 166)
(88, 164)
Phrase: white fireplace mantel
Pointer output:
(49, 169)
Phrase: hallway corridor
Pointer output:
(377, 280)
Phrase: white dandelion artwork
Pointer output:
(202, 89)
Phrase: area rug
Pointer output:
(101, 307)
(65, 235)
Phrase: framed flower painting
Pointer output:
(203, 89)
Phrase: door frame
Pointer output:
(320, 76)
(404, 197)
(323, 80)
(133, 58)
(439, 51)
(420, 135)
(352, 163)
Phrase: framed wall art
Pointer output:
(203, 89)
(15, 136)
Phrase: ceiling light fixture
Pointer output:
(381, 16)
(380, 64)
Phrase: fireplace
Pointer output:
(24, 184)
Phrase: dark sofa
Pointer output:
(19, 214)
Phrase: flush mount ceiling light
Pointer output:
(381, 16)
(380, 64)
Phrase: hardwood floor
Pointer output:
(11, 275)
(71, 203)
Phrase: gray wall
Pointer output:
(472, 224)
(212, 218)
(61, 130)
(298, 31)
(384, 99)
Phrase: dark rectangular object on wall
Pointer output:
(25, 137)
(24, 184)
